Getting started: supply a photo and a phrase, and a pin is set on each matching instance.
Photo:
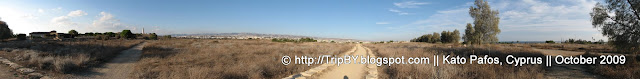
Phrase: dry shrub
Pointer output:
(226, 59)
(448, 71)
(64, 56)
(629, 70)
(604, 48)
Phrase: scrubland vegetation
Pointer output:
(294, 40)
(226, 59)
(454, 71)
(629, 70)
(601, 48)
(63, 56)
(443, 37)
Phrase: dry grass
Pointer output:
(226, 59)
(630, 70)
(603, 48)
(454, 71)
(62, 57)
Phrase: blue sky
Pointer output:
(523, 20)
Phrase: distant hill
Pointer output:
(257, 36)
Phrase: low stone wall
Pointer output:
(30, 73)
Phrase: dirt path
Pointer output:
(351, 71)
(118, 68)
(566, 71)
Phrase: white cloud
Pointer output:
(382, 23)
(442, 20)
(409, 4)
(76, 13)
(524, 17)
(40, 11)
(62, 21)
(66, 20)
(535, 15)
(107, 21)
(398, 11)
(29, 16)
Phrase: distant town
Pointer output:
(260, 36)
(71, 34)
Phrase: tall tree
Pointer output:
(450, 37)
(485, 22)
(444, 36)
(5, 32)
(435, 38)
(619, 20)
(455, 36)
(469, 34)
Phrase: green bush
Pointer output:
(73, 33)
(282, 40)
(110, 34)
(549, 41)
(126, 34)
(153, 36)
(444, 37)
(307, 40)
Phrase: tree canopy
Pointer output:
(485, 24)
(5, 32)
(126, 34)
(619, 20)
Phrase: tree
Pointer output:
(455, 36)
(435, 38)
(73, 32)
(110, 34)
(619, 20)
(167, 36)
(307, 39)
(469, 37)
(126, 34)
(5, 32)
(423, 38)
(153, 36)
(485, 23)
(444, 37)
(549, 41)
(450, 37)
(89, 34)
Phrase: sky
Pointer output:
(378, 20)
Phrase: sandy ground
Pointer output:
(566, 71)
(7, 73)
(118, 68)
(348, 71)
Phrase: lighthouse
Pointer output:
(143, 30)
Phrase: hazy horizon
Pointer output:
(521, 20)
